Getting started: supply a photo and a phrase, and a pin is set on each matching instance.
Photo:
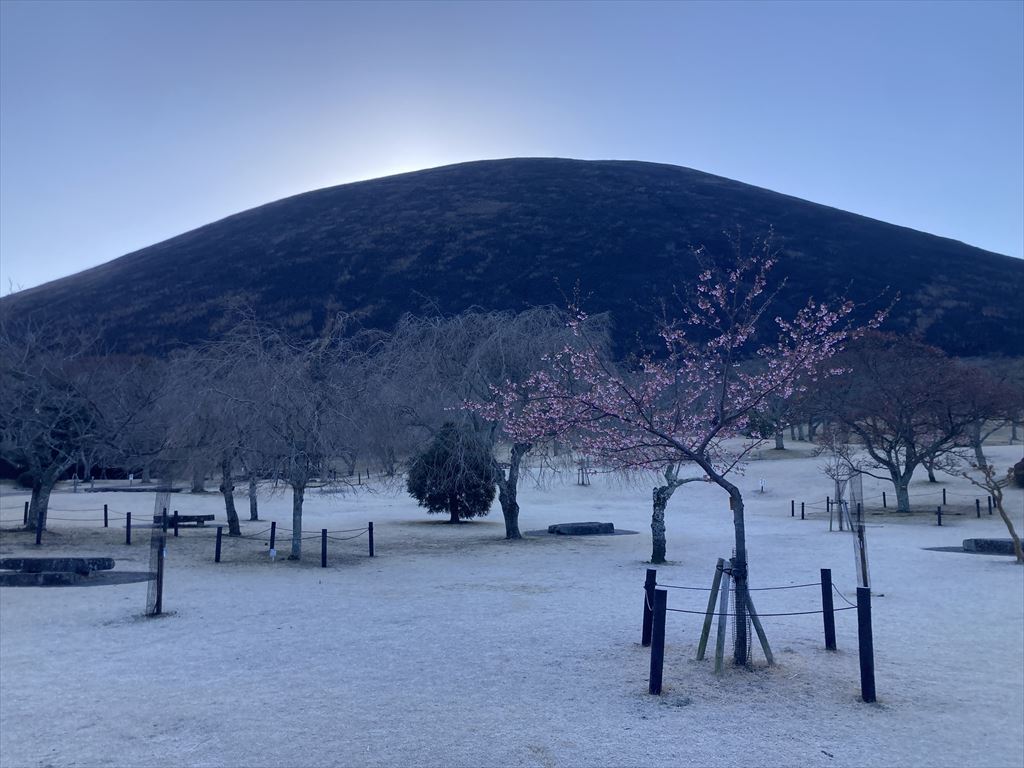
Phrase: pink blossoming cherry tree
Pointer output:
(686, 406)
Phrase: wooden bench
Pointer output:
(196, 520)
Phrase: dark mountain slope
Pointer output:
(511, 233)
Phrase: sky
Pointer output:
(123, 124)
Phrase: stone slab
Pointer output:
(990, 546)
(581, 529)
(78, 565)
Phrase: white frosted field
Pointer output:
(453, 647)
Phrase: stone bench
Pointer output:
(196, 520)
(989, 546)
(49, 571)
(581, 529)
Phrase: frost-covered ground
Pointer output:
(453, 647)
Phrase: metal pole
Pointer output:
(867, 645)
(828, 615)
(649, 584)
(658, 641)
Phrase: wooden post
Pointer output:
(938, 514)
(658, 641)
(25, 516)
(989, 500)
(709, 614)
(943, 497)
(649, 584)
(792, 507)
(323, 547)
(801, 510)
(828, 615)
(105, 520)
(761, 636)
(884, 505)
(867, 645)
(220, 535)
(158, 606)
(128, 528)
(273, 533)
(977, 508)
(723, 609)
(175, 522)
(369, 529)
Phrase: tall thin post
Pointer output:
(723, 610)
(828, 615)
(884, 505)
(943, 497)
(709, 614)
(323, 547)
(25, 516)
(977, 508)
(649, 584)
(220, 536)
(128, 528)
(105, 520)
(369, 530)
(801, 510)
(158, 606)
(867, 645)
(175, 522)
(989, 500)
(938, 515)
(273, 536)
(761, 636)
(792, 507)
(658, 641)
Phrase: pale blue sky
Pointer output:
(122, 124)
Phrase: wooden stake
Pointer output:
(723, 609)
(709, 615)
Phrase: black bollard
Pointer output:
(105, 520)
(658, 641)
(25, 516)
(989, 500)
(220, 535)
(943, 497)
(175, 522)
(128, 528)
(884, 505)
(977, 508)
(273, 534)
(867, 645)
(323, 547)
(938, 515)
(649, 584)
(801, 510)
(792, 508)
(369, 529)
(828, 615)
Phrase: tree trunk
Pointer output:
(1013, 432)
(40, 502)
(146, 478)
(812, 429)
(661, 495)
(508, 490)
(779, 444)
(198, 485)
(792, 431)
(902, 493)
(800, 432)
(453, 515)
(976, 440)
(298, 491)
(1018, 553)
(739, 575)
(931, 472)
(227, 488)
(254, 513)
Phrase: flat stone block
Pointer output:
(45, 579)
(581, 529)
(79, 565)
(990, 546)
